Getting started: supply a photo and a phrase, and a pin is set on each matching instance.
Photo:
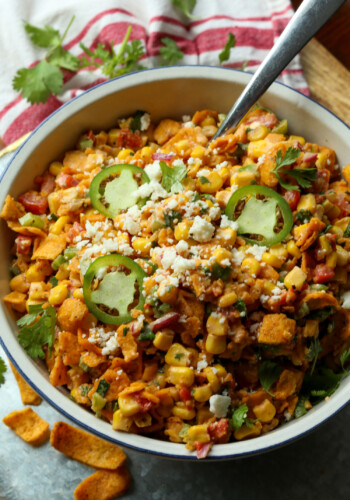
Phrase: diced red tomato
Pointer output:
(48, 184)
(23, 244)
(34, 202)
(323, 273)
(342, 202)
(292, 197)
(91, 135)
(128, 139)
(144, 403)
(202, 449)
(74, 231)
(267, 119)
(185, 394)
(66, 181)
(219, 429)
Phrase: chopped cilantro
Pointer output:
(204, 180)
(239, 416)
(172, 217)
(146, 333)
(314, 350)
(269, 372)
(135, 123)
(34, 336)
(321, 314)
(241, 307)
(179, 355)
(125, 331)
(300, 409)
(172, 177)
(219, 272)
(303, 216)
(344, 358)
(54, 281)
(303, 176)
(347, 231)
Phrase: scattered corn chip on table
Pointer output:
(315, 467)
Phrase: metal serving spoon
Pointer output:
(306, 22)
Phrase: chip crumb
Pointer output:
(28, 426)
(103, 485)
(28, 395)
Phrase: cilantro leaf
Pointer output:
(172, 177)
(186, 6)
(3, 369)
(225, 53)
(303, 176)
(241, 307)
(135, 123)
(146, 333)
(64, 59)
(170, 52)
(221, 273)
(204, 180)
(29, 318)
(303, 215)
(322, 384)
(43, 37)
(269, 372)
(34, 337)
(347, 231)
(314, 350)
(38, 82)
(300, 409)
(239, 416)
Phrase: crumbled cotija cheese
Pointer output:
(201, 229)
(219, 405)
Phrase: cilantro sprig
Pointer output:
(45, 78)
(240, 417)
(186, 6)
(225, 53)
(3, 369)
(172, 177)
(269, 372)
(314, 350)
(170, 52)
(35, 333)
(112, 63)
(303, 176)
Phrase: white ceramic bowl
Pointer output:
(163, 92)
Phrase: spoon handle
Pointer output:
(306, 22)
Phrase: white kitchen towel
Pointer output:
(256, 25)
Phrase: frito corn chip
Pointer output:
(28, 395)
(28, 426)
(50, 247)
(103, 485)
(85, 447)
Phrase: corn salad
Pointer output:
(184, 289)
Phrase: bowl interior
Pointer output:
(164, 92)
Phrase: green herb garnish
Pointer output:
(3, 369)
(35, 334)
(225, 53)
(303, 176)
(172, 177)
(170, 52)
(269, 372)
(102, 387)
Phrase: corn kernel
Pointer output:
(63, 272)
(146, 153)
(217, 326)
(55, 168)
(208, 120)
(198, 433)
(180, 375)
(342, 223)
(342, 256)
(295, 279)
(245, 432)
(337, 231)
(167, 293)
(78, 294)
(258, 133)
(331, 260)
(257, 148)
(202, 393)
(215, 183)
(325, 244)
(224, 173)
(307, 202)
(203, 415)
(183, 412)
(297, 138)
(228, 299)
(177, 355)
(268, 286)
(222, 256)
(346, 173)
(163, 340)
(241, 179)
(182, 230)
(142, 246)
(124, 153)
(215, 344)
(272, 260)
(321, 160)
(223, 196)
(121, 422)
(220, 370)
(293, 250)
(251, 265)
(58, 294)
(330, 209)
(213, 379)
(34, 273)
(265, 411)
(198, 152)
(19, 283)
(128, 405)
(182, 145)
(143, 420)
(57, 227)
(226, 236)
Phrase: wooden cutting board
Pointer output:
(328, 79)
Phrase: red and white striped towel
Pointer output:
(256, 25)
